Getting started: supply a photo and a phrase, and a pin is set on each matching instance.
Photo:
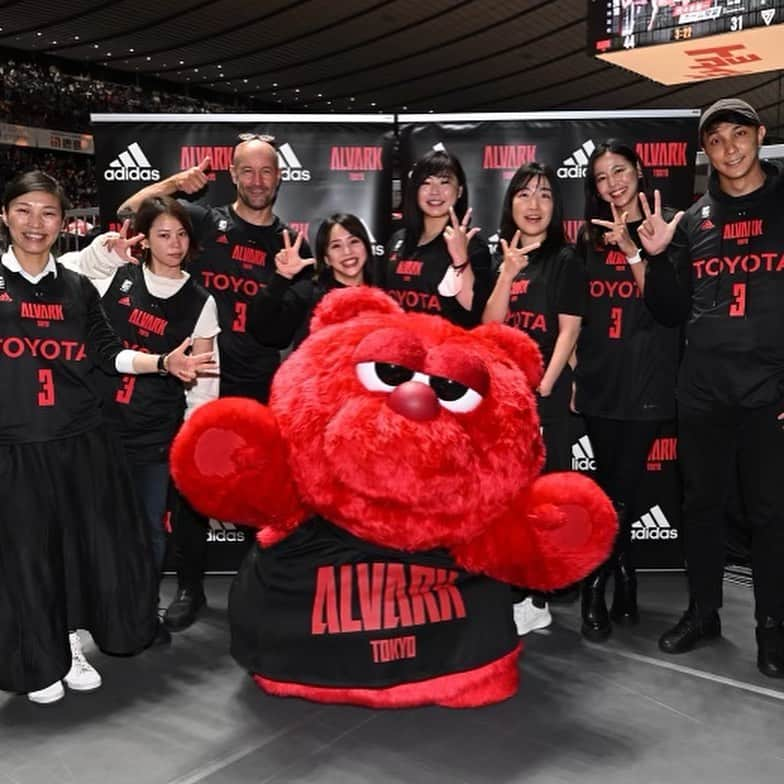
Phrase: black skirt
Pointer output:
(74, 554)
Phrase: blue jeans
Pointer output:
(151, 481)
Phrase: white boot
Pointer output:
(51, 693)
(82, 676)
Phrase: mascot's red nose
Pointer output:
(414, 400)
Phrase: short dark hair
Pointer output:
(154, 206)
(433, 164)
(35, 180)
(353, 225)
(528, 171)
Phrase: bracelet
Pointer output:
(458, 267)
(161, 366)
(636, 259)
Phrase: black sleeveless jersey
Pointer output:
(236, 260)
(324, 608)
(51, 334)
(412, 279)
(146, 410)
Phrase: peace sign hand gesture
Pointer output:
(457, 235)
(288, 262)
(655, 233)
(617, 231)
(121, 244)
(516, 255)
(194, 179)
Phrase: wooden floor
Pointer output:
(618, 712)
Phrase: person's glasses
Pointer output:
(250, 137)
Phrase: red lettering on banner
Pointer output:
(416, 300)
(624, 289)
(249, 255)
(50, 349)
(408, 268)
(41, 312)
(664, 154)
(719, 61)
(356, 159)
(147, 321)
(508, 156)
(749, 264)
(218, 281)
(220, 157)
(662, 450)
(741, 231)
(572, 229)
(385, 596)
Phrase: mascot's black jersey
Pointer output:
(626, 360)
(324, 608)
(413, 282)
(236, 259)
(147, 410)
(51, 334)
(723, 274)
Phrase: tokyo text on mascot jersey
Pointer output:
(393, 478)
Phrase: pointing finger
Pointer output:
(205, 164)
(532, 247)
(467, 218)
(125, 227)
(286, 239)
(657, 202)
(646, 210)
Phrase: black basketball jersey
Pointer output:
(147, 410)
(51, 334)
(327, 609)
(236, 260)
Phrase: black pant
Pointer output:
(621, 450)
(554, 416)
(713, 446)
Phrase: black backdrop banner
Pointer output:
(343, 163)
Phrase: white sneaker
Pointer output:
(51, 693)
(528, 616)
(82, 676)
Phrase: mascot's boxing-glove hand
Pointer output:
(229, 461)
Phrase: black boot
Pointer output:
(181, 613)
(596, 621)
(770, 648)
(693, 627)
(624, 607)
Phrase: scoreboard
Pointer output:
(694, 39)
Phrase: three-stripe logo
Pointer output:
(291, 169)
(582, 455)
(653, 525)
(574, 166)
(224, 532)
(131, 165)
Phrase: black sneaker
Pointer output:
(182, 612)
(690, 630)
(770, 648)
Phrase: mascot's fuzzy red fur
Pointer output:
(393, 478)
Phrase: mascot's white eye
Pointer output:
(454, 396)
(382, 376)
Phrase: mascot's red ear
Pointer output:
(523, 351)
(343, 304)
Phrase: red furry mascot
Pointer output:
(393, 479)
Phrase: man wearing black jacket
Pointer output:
(720, 269)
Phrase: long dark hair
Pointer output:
(353, 225)
(26, 182)
(595, 205)
(435, 163)
(154, 206)
(555, 237)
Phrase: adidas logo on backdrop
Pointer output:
(224, 532)
(131, 165)
(653, 525)
(291, 170)
(582, 455)
(574, 166)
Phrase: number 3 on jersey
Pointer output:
(240, 316)
(738, 302)
(46, 393)
(616, 322)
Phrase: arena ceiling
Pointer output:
(365, 56)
